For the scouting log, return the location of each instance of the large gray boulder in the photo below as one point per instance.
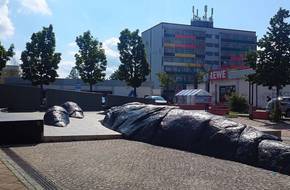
(73, 109)
(199, 132)
(56, 116)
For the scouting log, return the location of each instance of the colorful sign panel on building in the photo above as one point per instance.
(218, 75)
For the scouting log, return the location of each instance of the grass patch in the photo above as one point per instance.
(232, 114)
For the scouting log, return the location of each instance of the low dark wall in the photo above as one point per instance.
(21, 132)
(86, 100)
(113, 100)
(19, 98)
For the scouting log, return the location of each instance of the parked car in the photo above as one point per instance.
(284, 102)
(159, 100)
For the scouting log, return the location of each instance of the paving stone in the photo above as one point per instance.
(122, 164)
(8, 180)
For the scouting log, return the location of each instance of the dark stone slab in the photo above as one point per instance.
(73, 110)
(249, 140)
(56, 116)
(198, 132)
(274, 155)
(21, 131)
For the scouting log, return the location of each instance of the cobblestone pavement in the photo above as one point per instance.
(122, 164)
(8, 180)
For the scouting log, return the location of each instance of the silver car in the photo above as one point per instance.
(284, 103)
(159, 100)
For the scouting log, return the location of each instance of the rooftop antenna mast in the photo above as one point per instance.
(211, 17)
(205, 13)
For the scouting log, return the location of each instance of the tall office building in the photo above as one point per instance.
(182, 50)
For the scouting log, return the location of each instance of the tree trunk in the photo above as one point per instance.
(41, 87)
(41, 94)
(91, 87)
(277, 91)
(135, 92)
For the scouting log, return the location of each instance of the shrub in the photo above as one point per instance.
(238, 104)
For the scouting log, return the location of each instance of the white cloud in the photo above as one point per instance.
(112, 53)
(110, 70)
(110, 47)
(72, 45)
(35, 6)
(64, 68)
(6, 26)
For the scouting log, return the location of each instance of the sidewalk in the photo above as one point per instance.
(283, 126)
(8, 181)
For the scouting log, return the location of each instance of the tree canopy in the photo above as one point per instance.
(74, 74)
(5, 55)
(165, 80)
(115, 75)
(272, 61)
(91, 61)
(39, 60)
(134, 67)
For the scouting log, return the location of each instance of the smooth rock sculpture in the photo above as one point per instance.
(56, 116)
(199, 132)
(73, 110)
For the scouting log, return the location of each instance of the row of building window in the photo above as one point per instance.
(232, 36)
(179, 50)
(183, 40)
(212, 36)
(171, 31)
(229, 53)
(210, 62)
(212, 45)
(235, 49)
(209, 53)
(237, 45)
(168, 58)
(197, 51)
(184, 78)
(239, 41)
(176, 69)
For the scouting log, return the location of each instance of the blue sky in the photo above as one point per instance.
(105, 19)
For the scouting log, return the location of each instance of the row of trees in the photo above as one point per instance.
(40, 61)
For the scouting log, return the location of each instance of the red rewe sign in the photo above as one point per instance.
(218, 75)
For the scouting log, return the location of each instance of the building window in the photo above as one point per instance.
(208, 53)
(217, 37)
(208, 36)
(225, 93)
(209, 44)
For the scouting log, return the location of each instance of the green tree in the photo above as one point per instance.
(134, 67)
(39, 60)
(5, 55)
(198, 77)
(74, 74)
(91, 60)
(115, 75)
(272, 61)
(165, 80)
